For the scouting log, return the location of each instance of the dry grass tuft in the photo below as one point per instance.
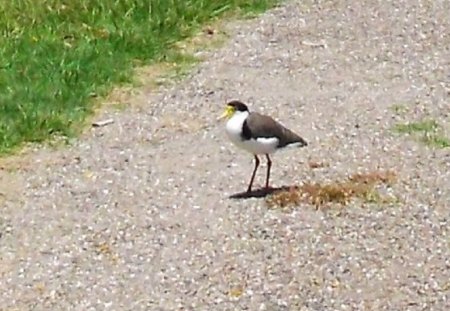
(375, 177)
(356, 186)
(285, 197)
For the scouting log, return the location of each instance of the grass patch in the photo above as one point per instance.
(362, 186)
(436, 140)
(399, 108)
(423, 126)
(426, 131)
(56, 55)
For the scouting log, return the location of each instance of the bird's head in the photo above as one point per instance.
(232, 107)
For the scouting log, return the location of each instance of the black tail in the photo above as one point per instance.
(302, 142)
(290, 137)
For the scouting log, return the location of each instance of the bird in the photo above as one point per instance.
(258, 134)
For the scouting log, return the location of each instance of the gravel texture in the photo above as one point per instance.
(136, 216)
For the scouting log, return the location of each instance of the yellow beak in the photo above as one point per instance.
(227, 113)
(223, 115)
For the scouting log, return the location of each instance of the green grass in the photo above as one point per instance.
(436, 140)
(426, 131)
(399, 108)
(56, 55)
(414, 127)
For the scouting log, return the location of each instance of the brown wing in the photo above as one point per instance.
(258, 125)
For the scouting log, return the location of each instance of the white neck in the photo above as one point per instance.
(234, 125)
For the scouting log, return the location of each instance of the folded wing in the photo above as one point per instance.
(261, 126)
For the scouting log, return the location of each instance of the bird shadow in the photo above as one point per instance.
(258, 193)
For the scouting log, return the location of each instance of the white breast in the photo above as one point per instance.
(234, 126)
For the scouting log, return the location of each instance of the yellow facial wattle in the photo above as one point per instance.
(229, 111)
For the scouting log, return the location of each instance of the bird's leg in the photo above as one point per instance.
(253, 175)
(269, 165)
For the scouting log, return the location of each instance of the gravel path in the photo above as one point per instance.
(136, 215)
